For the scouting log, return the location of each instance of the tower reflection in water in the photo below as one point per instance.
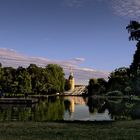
(69, 107)
(79, 108)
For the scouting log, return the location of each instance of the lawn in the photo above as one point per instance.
(120, 130)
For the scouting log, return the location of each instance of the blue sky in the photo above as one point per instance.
(89, 33)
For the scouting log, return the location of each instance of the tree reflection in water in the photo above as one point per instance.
(118, 108)
(48, 110)
(96, 104)
(87, 108)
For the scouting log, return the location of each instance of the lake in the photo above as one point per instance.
(70, 108)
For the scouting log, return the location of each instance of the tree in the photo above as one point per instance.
(96, 86)
(7, 79)
(33, 79)
(103, 85)
(118, 79)
(134, 30)
(23, 81)
(54, 78)
(1, 74)
(36, 78)
(135, 65)
(67, 85)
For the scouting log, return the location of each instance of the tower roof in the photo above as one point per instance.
(71, 75)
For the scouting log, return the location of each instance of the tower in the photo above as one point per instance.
(71, 81)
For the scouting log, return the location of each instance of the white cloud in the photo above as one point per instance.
(12, 58)
(128, 8)
(79, 59)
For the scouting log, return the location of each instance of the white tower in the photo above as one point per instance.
(71, 81)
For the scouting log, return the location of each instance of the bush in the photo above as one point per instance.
(114, 93)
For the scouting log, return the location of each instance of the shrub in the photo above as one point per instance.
(114, 93)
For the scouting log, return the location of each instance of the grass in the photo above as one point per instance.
(120, 130)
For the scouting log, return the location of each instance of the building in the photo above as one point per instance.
(71, 81)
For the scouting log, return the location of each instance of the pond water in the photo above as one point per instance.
(72, 108)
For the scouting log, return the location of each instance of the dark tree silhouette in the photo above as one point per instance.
(134, 30)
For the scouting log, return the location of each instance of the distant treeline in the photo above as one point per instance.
(122, 81)
(32, 80)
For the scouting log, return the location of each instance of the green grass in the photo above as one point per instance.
(121, 130)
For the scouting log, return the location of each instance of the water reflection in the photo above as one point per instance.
(79, 108)
(13, 112)
(72, 108)
(51, 109)
(75, 108)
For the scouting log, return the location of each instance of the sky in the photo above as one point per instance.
(88, 36)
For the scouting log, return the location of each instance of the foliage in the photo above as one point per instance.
(7, 79)
(54, 78)
(36, 77)
(128, 90)
(118, 79)
(96, 86)
(126, 80)
(114, 93)
(135, 65)
(67, 85)
(32, 79)
(135, 84)
(134, 30)
(22, 81)
(1, 74)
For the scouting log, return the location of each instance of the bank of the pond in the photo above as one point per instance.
(18, 101)
(126, 130)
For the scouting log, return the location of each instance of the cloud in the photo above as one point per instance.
(125, 8)
(74, 61)
(82, 75)
(79, 59)
(80, 3)
(9, 57)
(128, 8)
(75, 3)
